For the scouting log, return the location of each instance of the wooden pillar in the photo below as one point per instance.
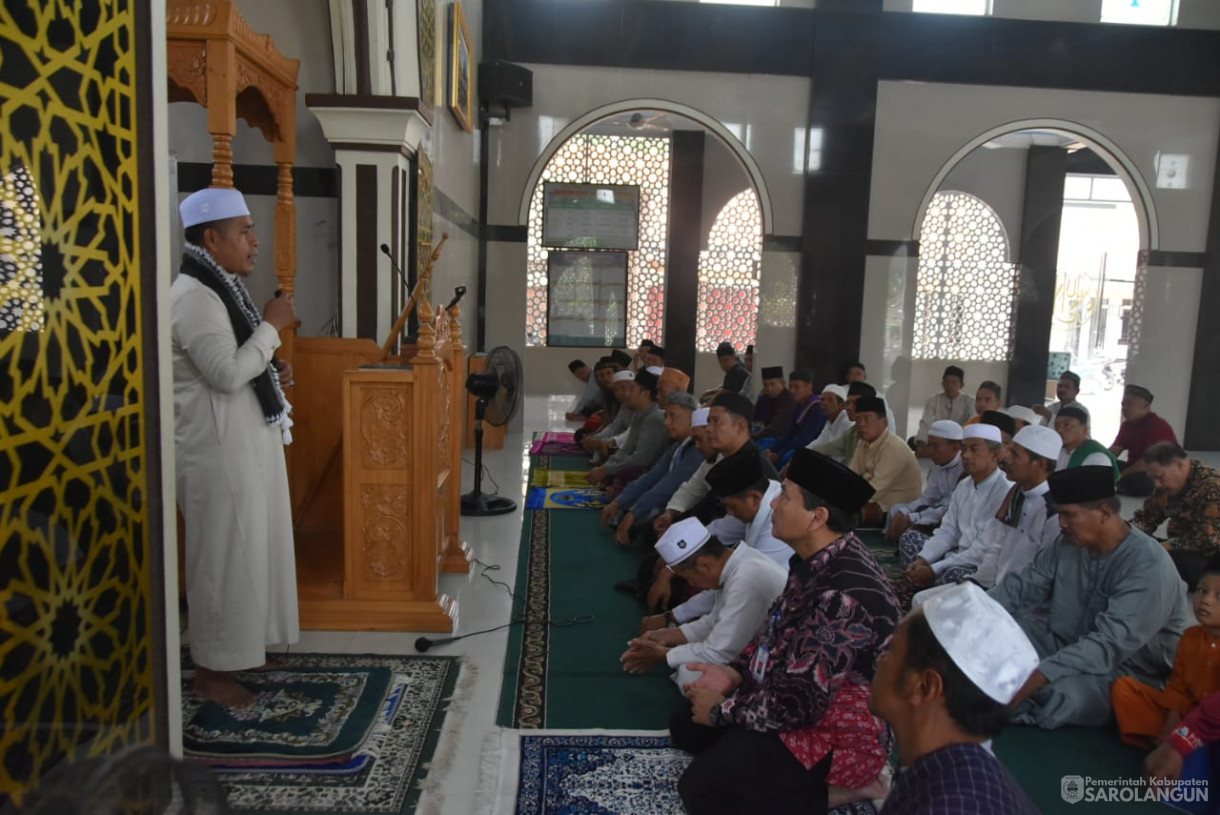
(222, 109)
(457, 554)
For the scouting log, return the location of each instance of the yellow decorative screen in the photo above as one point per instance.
(76, 646)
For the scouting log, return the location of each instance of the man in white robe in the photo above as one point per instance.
(230, 428)
(743, 582)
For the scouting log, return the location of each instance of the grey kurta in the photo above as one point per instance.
(647, 439)
(232, 487)
(1112, 615)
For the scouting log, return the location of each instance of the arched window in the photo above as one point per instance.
(728, 275)
(588, 158)
(966, 289)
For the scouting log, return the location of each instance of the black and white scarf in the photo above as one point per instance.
(199, 264)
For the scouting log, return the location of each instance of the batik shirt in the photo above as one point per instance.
(961, 779)
(821, 641)
(1193, 513)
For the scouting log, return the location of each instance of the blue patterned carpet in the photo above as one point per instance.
(606, 775)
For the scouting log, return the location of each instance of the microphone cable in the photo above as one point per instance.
(423, 644)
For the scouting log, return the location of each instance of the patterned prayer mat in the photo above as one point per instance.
(565, 497)
(570, 479)
(319, 701)
(553, 443)
(589, 771)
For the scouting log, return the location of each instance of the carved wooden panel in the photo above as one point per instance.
(386, 536)
(188, 72)
(383, 432)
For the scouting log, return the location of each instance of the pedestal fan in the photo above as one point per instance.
(497, 391)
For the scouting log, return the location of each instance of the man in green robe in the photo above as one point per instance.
(1103, 601)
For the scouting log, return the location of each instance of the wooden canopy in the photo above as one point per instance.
(216, 60)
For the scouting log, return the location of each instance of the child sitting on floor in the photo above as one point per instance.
(1146, 715)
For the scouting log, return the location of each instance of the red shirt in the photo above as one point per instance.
(1137, 436)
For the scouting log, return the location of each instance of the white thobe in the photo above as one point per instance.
(749, 585)
(1012, 548)
(757, 535)
(232, 487)
(958, 541)
(933, 502)
(832, 430)
(940, 406)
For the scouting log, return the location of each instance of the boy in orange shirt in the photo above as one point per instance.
(1146, 716)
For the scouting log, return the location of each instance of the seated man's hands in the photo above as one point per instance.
(920, 573)
(719, 678)
(664, 521)
(702, 700)
(609, 512)
(597, 475)
(574, 417)
(669, 637)
(661, 591)
(772, 456)
(642, 654)
(622, 535)
(654, 622)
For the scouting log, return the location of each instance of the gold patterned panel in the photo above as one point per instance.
(427, 51)
(385, 531)
(76, 642)
(383, 428)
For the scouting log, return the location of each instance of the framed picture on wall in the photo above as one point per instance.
(587, 299)
(461, 69)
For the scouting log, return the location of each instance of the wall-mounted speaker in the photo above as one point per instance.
(505, 85)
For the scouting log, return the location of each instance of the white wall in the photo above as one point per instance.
(455, 161)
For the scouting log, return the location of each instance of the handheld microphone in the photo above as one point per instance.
(458, 293)
(385, 250)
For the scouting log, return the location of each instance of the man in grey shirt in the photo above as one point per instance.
(647, 437)
(1103, 601)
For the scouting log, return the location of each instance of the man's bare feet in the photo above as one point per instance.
(842, 796)
(221, 688)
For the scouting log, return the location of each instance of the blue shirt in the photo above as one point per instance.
(961, 779)
(654, 488)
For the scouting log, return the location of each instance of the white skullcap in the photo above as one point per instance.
(837, 390)
(982, 639)
(699, 417)
(682, 540)
(946, 429)
(979, 430)
(655, 370)
(212, 204)
(1023, 413)
(624, 376)
(1039, 440)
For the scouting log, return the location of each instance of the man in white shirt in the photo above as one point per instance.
(950, 403)
(834, 408)
(925, 512)
(1027, 521)
(956, 549)
(744, 583)
(746, 492)
(1080, 449)
(230, 427)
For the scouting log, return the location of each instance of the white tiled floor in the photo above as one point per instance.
(480, 605)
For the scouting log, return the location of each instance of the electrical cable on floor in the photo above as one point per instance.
(424, 643)
(487, 473)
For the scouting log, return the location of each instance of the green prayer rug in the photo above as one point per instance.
(570, 676)
(329, 733)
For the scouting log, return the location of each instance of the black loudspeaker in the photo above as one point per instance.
(503, 84)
